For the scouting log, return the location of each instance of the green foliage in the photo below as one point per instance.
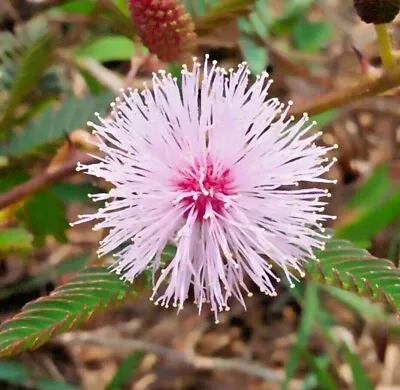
(16, 373)
(312, 380)
(360, 377)
(11, 51)
(349, 268)
(15, 240)
(311, 36)
(262, 23)
(308, 318)
(51, 384)
(374, 206)
(54, 123)
(44, 215)
(91, 293)
(108, 48)
(367, 224)
(68, 266)
(359, 305)
(125, 371)
(114, 12)
(293, 12)
(78, 6)
(32, 65)
(254, 30)
(71, 192)
(324, 378)
(373, 190)
(210, 14)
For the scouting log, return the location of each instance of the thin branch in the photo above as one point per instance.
(44, 179)
(190, 359)
(335, 99)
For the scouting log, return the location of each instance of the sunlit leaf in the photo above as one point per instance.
(108, 48)
(15, 240)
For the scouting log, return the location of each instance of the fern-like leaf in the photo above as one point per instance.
(32, 64)
(54, 123)
(349, 268)
(92, 292)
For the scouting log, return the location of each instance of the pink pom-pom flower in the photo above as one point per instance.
(213, 167)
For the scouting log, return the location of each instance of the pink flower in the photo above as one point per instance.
(214, 168)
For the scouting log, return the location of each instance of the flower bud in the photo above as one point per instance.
(377, 11)
(164, 27)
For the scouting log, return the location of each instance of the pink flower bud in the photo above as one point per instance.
(164, 27)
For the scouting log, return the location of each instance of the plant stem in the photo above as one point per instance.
(44, 179)
(386, 82)
(385, 46)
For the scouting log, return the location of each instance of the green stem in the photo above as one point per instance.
(385, 46)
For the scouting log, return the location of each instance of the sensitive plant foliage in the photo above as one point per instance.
(164, 27)
(215, 169)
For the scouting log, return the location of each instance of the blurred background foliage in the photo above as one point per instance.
(61, 61)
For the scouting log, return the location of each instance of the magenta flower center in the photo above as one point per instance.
(205, 189)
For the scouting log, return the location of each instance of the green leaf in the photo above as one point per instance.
(122, 5)
(294, 10)
(308, 318)
(72, 192)
(14, 372)
(77, 7)
(44, 215)
(108, 48)
(254, 30)
(349, 268)
(326, 117)
(360, 377)
(72, 265)
(358, 304)
(54, 123)
(371, 222)
(15, 240)
(33, 64)
(311, 381)
(311, 36)
(125, 371)
(51, 384)
(255, 55)
(325, 380)
(91, 293)
(373, 190)
(211, 14)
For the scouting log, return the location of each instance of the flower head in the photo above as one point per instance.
(164, 27)
(377, 11)
(213, 167)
